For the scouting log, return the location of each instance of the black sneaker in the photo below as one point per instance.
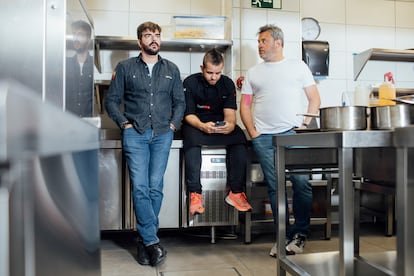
(142, 255)
(296, 244)
(156, 254)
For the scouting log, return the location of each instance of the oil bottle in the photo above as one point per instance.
(386, 90)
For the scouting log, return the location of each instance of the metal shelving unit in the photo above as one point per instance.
(179, 45)
(361, 59)
(256, 191)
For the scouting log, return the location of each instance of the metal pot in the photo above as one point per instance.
(343, 118)
(390, 116)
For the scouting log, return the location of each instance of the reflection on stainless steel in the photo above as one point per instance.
(348, 261)
(79, 75)
(43, 67)
(51, 179)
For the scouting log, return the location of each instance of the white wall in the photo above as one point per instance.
(350, 26)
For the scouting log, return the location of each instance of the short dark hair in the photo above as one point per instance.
(147, 26)
(275, 31)
(213, 56)
(80, 24)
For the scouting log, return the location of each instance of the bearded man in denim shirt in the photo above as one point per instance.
(151, 90)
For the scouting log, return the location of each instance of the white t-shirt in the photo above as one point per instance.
(278, 94)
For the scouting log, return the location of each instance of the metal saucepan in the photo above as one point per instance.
(343, 118)
(338, 118)
(390, 116)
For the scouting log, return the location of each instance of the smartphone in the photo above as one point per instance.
(220, 123)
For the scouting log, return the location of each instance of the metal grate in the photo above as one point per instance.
(217, 211)
(213, 177)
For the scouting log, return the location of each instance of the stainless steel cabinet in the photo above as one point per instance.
(169, 216)
(110, 185)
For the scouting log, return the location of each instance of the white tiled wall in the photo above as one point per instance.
(350, 26)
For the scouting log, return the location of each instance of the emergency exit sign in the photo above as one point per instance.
(270, 4)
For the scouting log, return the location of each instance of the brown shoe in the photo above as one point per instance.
(238, 201)
(196, 203)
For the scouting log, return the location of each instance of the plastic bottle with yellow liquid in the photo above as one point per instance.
(386, 90)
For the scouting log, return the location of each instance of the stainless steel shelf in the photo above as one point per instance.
(130, 43)
(181, 45)
(361, 59)
(327, 263)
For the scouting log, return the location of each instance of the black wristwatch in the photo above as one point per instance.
(305, 124)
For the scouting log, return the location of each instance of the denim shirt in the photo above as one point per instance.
(149, 101)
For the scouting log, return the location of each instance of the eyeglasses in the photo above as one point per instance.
(79, 36)
(148, 36)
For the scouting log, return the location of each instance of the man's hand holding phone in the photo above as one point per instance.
(220, 123)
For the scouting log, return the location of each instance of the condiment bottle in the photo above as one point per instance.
(361, 95)
(386, 90)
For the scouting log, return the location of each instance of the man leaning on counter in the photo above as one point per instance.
(152, 92)
(279, 87)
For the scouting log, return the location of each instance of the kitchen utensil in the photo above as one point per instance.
(343, 118)
(313, 115)
(390, 117)
(407, 99)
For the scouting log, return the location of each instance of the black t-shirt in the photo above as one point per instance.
(208, 101)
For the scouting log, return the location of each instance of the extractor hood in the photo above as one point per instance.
(362, 58)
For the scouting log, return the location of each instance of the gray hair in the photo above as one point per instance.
(275, 31)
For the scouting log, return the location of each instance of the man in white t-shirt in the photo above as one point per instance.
(280, 89)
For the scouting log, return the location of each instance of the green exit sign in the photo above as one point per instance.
(270, 4)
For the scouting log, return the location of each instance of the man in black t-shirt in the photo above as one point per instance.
(210, 119)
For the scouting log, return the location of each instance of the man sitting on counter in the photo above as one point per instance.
(210, 119)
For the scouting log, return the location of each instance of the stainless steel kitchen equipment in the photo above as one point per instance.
(390, 116)
(169, 216)
(43, 68)
(407, 99)
(48, 158)
(348, 260)
(111, 174)
(392, 55)
(256, 190)
(404, 144)
(214, 182)
(343, 118)
(48, 188)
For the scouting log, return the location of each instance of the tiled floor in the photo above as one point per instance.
(190, 254)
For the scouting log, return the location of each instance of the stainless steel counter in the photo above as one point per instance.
(116, 209)
(347, 262)
(48, 188)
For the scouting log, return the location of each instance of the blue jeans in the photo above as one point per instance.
(147, 157)
(302, 190)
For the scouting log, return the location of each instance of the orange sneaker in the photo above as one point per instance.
(196, 203)
(238, 201)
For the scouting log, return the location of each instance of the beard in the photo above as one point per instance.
(150, 51)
